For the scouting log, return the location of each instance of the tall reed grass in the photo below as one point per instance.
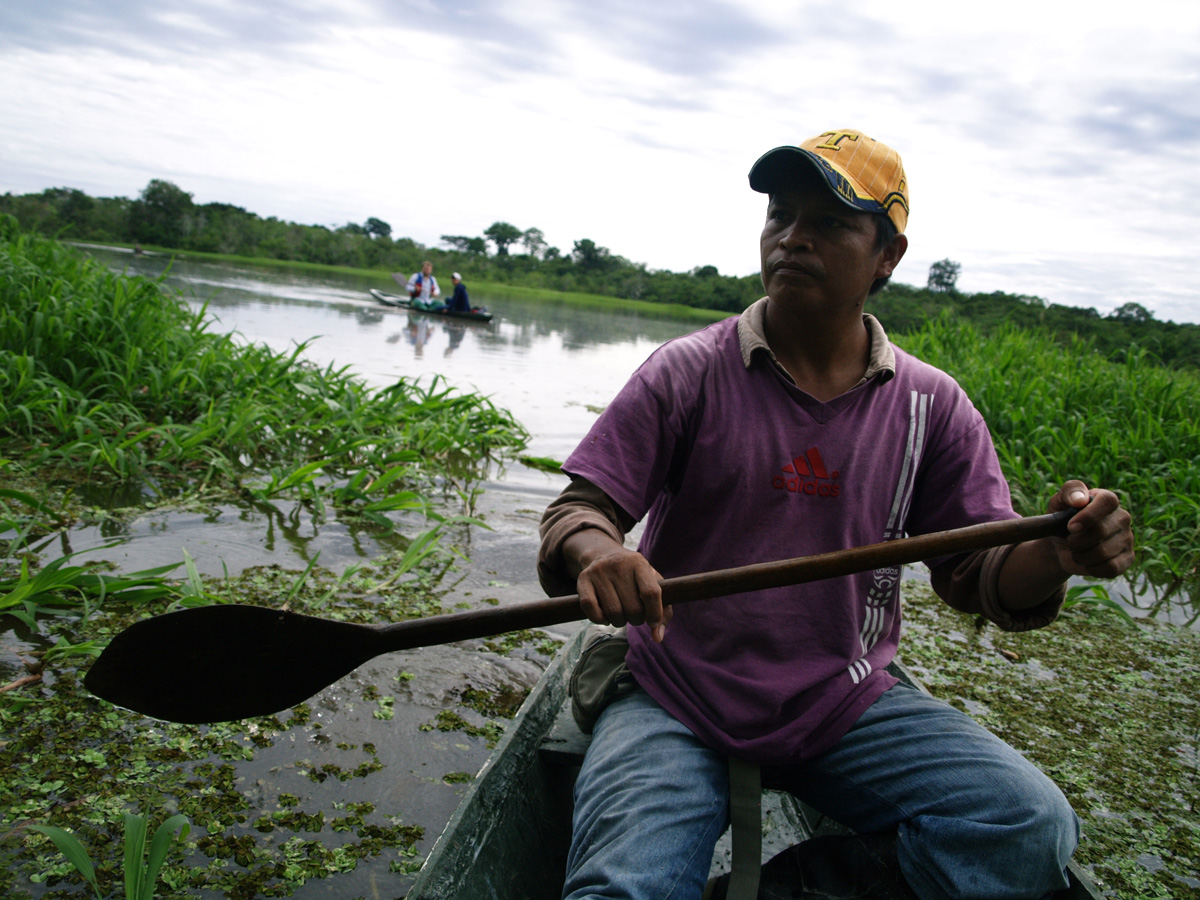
(1131, 426)
(114, 377)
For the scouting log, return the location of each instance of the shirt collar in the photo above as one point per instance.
(752, 337)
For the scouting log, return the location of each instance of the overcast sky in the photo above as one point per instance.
(1052, 148)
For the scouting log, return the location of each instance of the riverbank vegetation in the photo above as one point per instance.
(164, 216)
(1060, 412)
(109, 379)
(112, 378)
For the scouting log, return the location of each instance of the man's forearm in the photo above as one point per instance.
(1030, 575)
(581, 548)
(580, 507)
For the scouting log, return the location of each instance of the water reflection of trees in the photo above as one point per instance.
(221, 285)
(580, 327)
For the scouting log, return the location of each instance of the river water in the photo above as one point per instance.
(553, 365)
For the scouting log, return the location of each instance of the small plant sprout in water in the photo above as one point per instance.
(141, 874)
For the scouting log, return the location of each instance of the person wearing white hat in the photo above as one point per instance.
(459, 301)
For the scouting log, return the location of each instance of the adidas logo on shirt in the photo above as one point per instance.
(807, 474)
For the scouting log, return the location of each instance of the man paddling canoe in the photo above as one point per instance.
(797, 428)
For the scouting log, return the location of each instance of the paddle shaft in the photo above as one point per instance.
(222, 662)
(724, 582)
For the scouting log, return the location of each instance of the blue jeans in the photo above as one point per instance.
(974, 819)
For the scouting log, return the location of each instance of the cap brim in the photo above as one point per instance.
(776, 166)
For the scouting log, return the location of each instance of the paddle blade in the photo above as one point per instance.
(220, 663)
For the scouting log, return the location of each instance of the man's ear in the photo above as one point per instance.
(891, 256)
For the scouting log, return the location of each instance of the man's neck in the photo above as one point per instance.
(824, 359)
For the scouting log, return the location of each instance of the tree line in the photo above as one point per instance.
(165, 216)
(1128, 329)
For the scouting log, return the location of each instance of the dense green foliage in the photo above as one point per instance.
(1130, 426)
(1128, 329)
(107, 376)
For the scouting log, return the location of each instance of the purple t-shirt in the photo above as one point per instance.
(736, 465)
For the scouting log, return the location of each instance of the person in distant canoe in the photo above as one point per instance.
(459, 301)
(423, 288)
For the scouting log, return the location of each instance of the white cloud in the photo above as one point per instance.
(1049, 153)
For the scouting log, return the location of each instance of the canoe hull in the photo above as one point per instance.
(399, 302)
(510, 834)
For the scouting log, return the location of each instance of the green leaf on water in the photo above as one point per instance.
(68, 845)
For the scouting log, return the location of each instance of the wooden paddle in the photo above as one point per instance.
(217, 663)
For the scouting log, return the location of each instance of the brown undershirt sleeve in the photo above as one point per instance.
(971, 584)
(581, 505)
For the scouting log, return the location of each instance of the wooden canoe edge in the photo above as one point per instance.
(512, 794)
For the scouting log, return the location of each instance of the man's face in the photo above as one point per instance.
(817, 253)
(427, 268)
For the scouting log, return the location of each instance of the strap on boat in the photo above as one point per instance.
(745, 815)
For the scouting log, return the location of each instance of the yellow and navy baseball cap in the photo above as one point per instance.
(861, 172)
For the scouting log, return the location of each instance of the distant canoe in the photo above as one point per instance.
(508, 839)
(479, 314)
